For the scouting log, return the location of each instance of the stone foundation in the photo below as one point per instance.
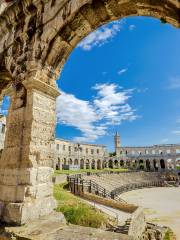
(20, 213)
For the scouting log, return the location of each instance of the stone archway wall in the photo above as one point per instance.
(39, 35)
(36, 38)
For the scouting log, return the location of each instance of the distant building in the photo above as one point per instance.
(156, 157)
(70, 155)
(86, 156)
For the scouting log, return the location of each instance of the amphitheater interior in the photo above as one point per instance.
(122, 182)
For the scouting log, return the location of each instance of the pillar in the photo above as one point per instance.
(151, 165)
(26, 190)
(95, 164)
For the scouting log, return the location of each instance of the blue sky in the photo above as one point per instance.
(125, 76)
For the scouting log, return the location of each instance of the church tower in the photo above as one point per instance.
(117, 142)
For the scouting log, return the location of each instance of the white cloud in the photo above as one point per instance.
(111, 103)
(132, 27)
(121, 71)
(174, 83)
(176, 132)
(101, 35)
(93, 118)
(164, 140)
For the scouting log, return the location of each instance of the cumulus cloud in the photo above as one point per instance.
(93, 118)
(174, 83)
(121, 71)
(101, 36)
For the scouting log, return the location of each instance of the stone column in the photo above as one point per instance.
(151, 165)
(95, 164)
(26, 190)
(174, 162)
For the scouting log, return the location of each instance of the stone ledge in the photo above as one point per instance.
(53, 227)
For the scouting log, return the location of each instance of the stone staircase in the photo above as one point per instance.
(122, 229)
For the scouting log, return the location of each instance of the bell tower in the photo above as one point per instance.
(117, 142)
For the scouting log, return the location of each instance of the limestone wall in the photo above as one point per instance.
(138, 224)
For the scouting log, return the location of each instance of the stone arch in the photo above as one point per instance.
(110, 163)
(82, 164)
(122, 163)
(136, 163)
(141, 164)
(133, 164)
(99, 165)
(64, 26)
(87, 164)
(162, 164)
(58, 164)
(116, 163)
(76, 162)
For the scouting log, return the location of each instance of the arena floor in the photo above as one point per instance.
(161, 205)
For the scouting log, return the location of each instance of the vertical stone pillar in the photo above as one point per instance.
(174, 162)
(84, 164)
(95, 164)
(151, 165)
(26, 190)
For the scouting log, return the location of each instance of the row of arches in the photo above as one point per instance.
(82, 163)
(139, 164)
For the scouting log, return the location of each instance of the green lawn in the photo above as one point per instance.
(76, 211)
(56, 172)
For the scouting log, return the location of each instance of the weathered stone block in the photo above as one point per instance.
(20, 213)
(12, 193)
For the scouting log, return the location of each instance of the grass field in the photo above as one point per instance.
(76, 211)
(56, 172)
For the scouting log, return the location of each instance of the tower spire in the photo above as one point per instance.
(117, 141)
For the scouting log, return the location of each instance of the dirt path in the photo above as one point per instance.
(161, 205)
